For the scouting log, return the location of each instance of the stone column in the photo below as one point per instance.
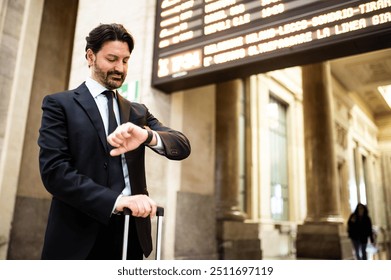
(386, 175)
(227, 150)
(344, 189)
(236, 239)
(48, 73)
(22, 21)
(323, 235)
(358, 165)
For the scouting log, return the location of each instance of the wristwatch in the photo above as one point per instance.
(149, 138)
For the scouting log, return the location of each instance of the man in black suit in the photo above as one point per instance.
(90, 187)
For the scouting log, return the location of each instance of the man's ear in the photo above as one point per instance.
(90, 57)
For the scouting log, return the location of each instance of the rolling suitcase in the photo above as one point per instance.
(159, 215)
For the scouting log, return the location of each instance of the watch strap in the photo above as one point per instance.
(149, 138)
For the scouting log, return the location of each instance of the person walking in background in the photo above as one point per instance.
(91, 181)
(359, 230)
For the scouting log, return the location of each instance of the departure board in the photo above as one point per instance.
(206, 41)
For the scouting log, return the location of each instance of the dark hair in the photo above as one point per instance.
(108, 32)
(364, 207)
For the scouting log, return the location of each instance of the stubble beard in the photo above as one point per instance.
(107, 79)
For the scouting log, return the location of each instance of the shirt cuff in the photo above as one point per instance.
(115, 205)
(159, 145)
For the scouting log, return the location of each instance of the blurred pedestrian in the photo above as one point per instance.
(359, 230)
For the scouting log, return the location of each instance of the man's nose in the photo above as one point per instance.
(120, 66)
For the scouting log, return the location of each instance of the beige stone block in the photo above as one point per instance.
(232, 230)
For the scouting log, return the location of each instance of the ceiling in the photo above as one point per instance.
(363, 74)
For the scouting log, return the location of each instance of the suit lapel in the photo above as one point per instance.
(85, 99)
(124, 108)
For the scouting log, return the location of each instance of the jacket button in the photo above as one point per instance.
(105, 165)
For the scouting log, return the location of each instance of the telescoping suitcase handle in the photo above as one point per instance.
(160, 215)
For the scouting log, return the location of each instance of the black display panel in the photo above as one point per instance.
(198, 42)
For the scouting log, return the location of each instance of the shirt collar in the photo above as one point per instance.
(95, 88)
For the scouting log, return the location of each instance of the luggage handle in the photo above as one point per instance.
(159, 211)
(160, 214)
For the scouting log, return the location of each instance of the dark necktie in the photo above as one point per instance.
(116, 177)
(112, 121)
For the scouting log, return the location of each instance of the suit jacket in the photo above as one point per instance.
(73, 164)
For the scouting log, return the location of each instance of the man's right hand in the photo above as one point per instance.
(128, 137)
(141, 205)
